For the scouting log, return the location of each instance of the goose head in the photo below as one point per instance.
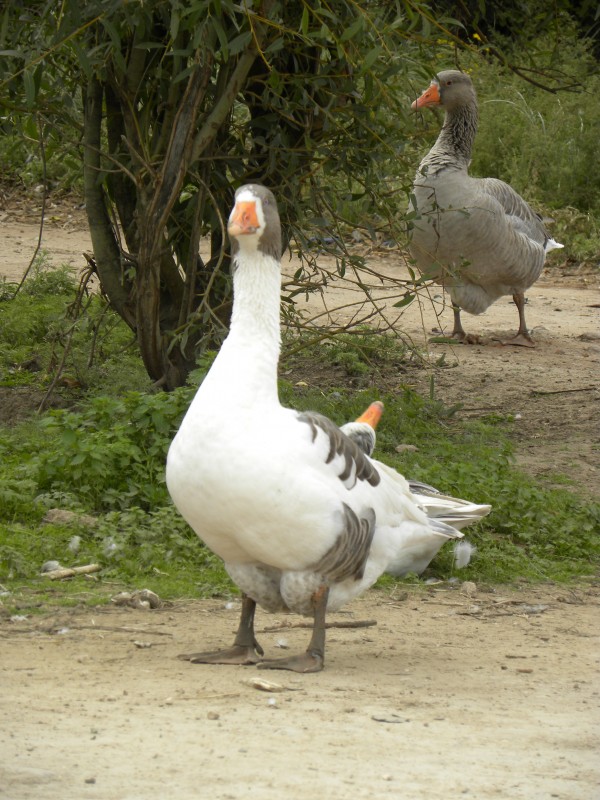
(254, 225)
(362, 430)
(450, 89)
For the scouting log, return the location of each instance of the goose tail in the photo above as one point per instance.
(552, 244)
(443, 507)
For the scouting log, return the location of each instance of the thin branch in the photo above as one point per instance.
(78, 311)
(43, 211)
(359, 623)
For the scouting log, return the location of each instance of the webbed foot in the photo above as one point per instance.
(245, 650)
(310, 661)
(239, 655)
(520, 340)
(467, 338)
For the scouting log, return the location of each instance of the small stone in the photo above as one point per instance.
(406, 448)
(61, 516)
(213, 715)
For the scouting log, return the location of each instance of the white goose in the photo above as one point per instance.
(451, 510)
(475, 236)
(302, 518)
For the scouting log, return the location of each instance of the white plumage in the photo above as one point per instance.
(447, 509)
(303, 519)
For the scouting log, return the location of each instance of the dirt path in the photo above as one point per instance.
(488, 696)
(491, 696)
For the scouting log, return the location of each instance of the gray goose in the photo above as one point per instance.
(475, 236)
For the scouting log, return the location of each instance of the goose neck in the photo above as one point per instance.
(454, 145)
(254, 338)
(256, 297)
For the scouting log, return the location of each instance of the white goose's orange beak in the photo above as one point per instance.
(243, 219)
(373, 414)
(430, 97)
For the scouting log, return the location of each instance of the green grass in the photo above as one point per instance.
(46, 318)
(105, 455)
(536, 533)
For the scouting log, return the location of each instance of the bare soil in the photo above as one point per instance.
(490, 696)
(487, 692)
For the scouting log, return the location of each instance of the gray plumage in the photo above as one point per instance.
(475, 236)
(356, 466)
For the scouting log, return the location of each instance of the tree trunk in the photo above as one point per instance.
(104, 241)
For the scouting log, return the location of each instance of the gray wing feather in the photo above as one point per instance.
(439, 527)
(341, 445)
(523, 218)
(350, 551)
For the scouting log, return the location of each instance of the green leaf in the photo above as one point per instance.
(29, 83)
(370, 58)
(304, 21)
(356, 27)
(175, 20)
(240, 43)
(222, 37)
(406, 300)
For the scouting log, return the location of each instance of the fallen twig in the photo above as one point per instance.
(361, 623)
(69, 572)
(564, 391)
(112, 628)
(119, 629)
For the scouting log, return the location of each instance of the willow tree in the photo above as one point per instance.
(174, 104)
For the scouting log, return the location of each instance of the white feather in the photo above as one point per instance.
(463, 552)
(552, 244)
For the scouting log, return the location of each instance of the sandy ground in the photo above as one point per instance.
(490, 695)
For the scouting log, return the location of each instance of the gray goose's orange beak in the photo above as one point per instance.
(430, 97)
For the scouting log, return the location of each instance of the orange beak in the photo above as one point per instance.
(243, 219)
(373, 414)
(430, 97)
